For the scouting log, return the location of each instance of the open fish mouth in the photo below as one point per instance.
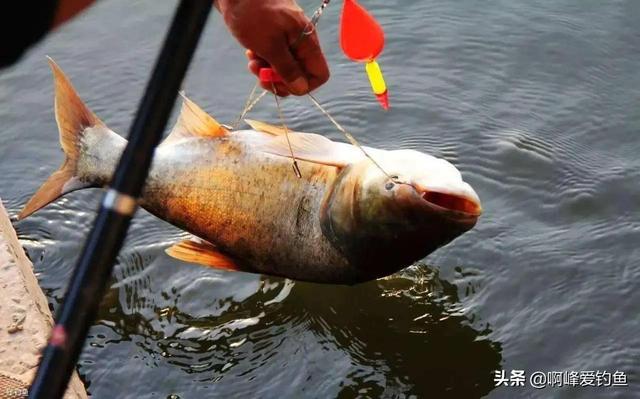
(458, 203)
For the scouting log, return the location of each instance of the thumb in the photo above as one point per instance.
(283, 61)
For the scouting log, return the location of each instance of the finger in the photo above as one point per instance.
(283, 61)
(312, 60)
(252, 56)
(281, 88)
(255, 66)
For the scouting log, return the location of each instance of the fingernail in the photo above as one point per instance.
(299, 86)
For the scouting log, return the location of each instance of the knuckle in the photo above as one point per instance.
(287, 69)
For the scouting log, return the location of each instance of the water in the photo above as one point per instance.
(537, 102)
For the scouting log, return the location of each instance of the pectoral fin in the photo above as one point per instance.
(203, 253)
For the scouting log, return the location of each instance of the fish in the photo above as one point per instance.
(347, 220)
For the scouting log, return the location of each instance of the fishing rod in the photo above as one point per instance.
(95, 264)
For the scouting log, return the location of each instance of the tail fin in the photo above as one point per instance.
(73, 117)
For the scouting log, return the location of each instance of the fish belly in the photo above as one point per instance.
(249, 204)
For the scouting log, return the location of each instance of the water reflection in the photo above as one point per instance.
(410, 327)
(241, 334)
(195, 332)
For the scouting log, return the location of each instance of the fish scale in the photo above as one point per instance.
(342, 220)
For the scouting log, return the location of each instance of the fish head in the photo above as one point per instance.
(399, 209)
(411, 187)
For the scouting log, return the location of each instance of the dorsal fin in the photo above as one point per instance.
(194, 122)
(266, 128)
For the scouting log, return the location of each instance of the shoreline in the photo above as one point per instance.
(25, 318)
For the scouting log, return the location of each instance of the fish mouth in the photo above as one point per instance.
(458, 203)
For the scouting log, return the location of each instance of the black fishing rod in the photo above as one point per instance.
(95, 264)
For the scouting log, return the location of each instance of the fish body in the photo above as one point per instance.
(248, 203)
(345, 221)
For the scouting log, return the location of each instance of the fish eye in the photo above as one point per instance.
(389, 185)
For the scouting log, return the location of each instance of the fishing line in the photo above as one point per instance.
(264, 92)
(315, 17)
(296, 169)
(250, 103)
(240, 117)
(248, 106)
(310, 27)
(350, 137)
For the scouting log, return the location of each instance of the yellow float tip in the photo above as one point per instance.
(377, 83)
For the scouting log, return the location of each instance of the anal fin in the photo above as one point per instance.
(203, 253)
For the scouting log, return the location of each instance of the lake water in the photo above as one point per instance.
(536, 102)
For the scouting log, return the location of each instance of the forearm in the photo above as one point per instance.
(68, 9)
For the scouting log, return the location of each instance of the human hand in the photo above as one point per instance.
(269, 29)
